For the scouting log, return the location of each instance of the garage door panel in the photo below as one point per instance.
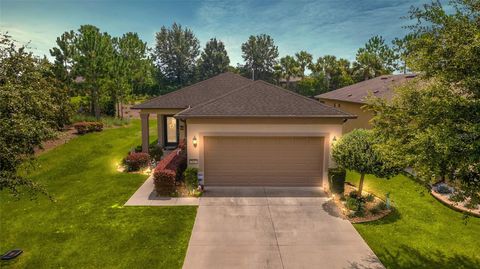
(263, 161)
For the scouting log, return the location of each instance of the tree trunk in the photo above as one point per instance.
(118, 108)
(360, 184)
(288, 83)
(96, 105)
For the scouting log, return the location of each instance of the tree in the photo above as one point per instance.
(358, 151)
(304, 59)
(433, 124)
(214, 59)
(400, 47)
(260, 55)
(335, 73)
(447, 44)
(430, 127)
(32, 106)
(176, 52)
(375, 59)
(132, 68)
(289, 68)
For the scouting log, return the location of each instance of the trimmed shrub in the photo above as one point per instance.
(336, 180)
(191, 178)
(164, 181)
(88, 127)
(155, 152)
(136, 160)
(351, 203)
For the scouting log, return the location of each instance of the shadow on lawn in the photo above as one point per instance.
(407, 258)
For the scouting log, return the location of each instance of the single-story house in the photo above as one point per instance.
(241, 132)
(352, 98)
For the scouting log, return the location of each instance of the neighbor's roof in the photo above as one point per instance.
(262, 99)
(197, 93)
(381, 86)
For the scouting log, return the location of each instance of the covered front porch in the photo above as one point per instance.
(169, 129)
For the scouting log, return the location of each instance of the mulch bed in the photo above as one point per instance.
(62, 138)
(368, 216)
(458, 206)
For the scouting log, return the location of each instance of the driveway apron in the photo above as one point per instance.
(273, 227)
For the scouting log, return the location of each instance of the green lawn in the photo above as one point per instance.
(423, 233)
(87, 227)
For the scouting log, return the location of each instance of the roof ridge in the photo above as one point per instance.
(306, 98)
(217, 98)
(194, 84)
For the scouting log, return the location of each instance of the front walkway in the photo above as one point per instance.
(246, 227)
(146, 196)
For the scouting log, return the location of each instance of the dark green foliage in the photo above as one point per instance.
(176, 51)
(213, 60)
(375, 59)
(433, 123)
(260, 55)
(33, 105)
(336, 180)
(358, 151)
(155, 152)
(369, 198)
(191, 178)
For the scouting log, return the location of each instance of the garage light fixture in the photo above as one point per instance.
(194, 141)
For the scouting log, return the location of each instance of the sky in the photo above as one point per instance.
(319, 27)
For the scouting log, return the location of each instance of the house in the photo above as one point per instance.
(241, 132)
(352, 98)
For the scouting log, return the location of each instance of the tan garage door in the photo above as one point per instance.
(263, 161)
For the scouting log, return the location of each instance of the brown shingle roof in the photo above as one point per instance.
(197, 93)
(381, 86)
(261, 99)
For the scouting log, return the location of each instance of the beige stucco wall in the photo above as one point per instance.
(353, 108)
(199, 128)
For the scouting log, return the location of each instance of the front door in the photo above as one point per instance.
(170, 127)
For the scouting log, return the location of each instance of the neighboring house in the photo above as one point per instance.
(352, 98)
(293, 82)
(241, 132)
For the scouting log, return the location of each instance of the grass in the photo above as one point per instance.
(87, 226)
(422, 232)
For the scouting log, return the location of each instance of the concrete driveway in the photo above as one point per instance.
(269, 227)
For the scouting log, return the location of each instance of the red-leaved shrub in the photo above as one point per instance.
(88, 127)
(164, 181)
(136, 160)
(172, 165)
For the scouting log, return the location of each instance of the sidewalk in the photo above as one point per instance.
(146, 196)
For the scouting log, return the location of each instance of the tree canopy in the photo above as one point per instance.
(358, 151)
(176, 52)
(260, 55)
(213, 60)
(433, 123)
(33, 105)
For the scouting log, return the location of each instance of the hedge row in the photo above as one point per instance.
(88, 127)
(169, 170)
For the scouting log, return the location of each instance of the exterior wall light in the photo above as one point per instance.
(195, 141)
(334, 139)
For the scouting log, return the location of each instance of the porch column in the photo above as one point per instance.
(145, 133)
(160, 141)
